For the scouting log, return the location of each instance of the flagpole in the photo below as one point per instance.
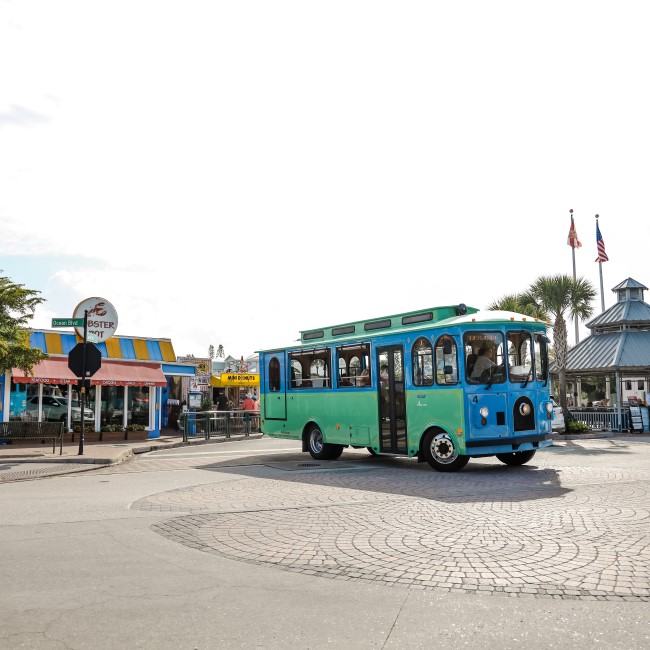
(600, 271)
(608, 387)
(573, 256)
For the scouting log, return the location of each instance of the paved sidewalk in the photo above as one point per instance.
(24, 462)
(19, 462)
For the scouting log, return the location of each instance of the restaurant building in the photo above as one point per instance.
(136, 392)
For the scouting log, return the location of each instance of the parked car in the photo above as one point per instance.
(56, 409)
(557, 423)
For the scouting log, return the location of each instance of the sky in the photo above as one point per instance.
(231, 173)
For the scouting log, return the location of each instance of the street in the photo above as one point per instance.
(252, 544)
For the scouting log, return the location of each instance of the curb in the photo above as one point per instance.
(605, 434)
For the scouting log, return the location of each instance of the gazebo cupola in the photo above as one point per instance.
(629, 290)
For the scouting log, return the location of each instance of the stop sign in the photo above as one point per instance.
(76, 360)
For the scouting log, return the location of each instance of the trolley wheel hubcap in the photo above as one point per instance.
(316, 441)
(442, 448)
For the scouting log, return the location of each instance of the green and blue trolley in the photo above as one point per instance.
(443, 384)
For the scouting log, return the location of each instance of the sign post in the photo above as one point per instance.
(84, 360)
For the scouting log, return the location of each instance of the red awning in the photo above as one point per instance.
(112, 373)
(120, 373)
(49, 371)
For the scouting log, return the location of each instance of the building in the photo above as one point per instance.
(235, 378)
(616, 355)
(137, 390)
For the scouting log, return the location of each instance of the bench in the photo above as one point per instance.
(15, 430)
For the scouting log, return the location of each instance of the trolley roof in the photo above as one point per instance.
(445, 316)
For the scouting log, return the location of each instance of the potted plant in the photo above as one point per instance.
(136, 432)
(112, 433)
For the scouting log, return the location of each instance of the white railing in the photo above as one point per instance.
(602, 419)
(208, 424)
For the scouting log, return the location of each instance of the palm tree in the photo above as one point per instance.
(522, 303)
(559, 295)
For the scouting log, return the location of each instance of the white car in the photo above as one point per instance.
(56, 409)
(558, 418)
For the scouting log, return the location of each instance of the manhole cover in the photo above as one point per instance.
(308, 464)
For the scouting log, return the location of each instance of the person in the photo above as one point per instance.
(482, 363)
(383, 375)
(364, 378)
(345, 380)
(249, 403)
(222, 402)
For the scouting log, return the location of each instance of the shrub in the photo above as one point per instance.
(136, 427)
(88, 428)
(574, 426)
(112, 427)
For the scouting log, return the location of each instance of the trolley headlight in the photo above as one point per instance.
(484, 411)
(524, 408)
(549, 407)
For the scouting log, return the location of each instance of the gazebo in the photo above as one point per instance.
(617, 349)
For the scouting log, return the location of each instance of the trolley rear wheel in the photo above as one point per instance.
(322, 450)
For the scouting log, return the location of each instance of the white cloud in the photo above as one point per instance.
(236, 172)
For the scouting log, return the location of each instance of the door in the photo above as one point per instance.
(275, 397)
(392, 402)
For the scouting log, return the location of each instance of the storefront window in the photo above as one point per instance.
(138, 405)
(112, 409)
(17, 401)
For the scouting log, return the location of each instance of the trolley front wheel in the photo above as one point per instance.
(516, 457)
(441, 453)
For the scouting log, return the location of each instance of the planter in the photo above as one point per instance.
(113, 436)
(137, 435)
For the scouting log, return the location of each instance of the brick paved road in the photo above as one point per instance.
(569, 526)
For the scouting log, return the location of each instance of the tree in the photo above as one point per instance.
(559, 296)
(522, 303)
(17, 306)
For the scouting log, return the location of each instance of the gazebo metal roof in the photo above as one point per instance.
(620, 339)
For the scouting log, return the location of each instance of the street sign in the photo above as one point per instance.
(76, 360)
(67, 322)
(102, 318)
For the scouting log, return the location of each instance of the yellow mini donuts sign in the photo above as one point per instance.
(240, 379)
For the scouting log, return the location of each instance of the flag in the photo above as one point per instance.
(602, 255)
(573, 240)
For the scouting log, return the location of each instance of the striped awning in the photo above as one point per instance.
(49, 371)
(112, 373)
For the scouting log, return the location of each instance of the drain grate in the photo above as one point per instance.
(328, 466)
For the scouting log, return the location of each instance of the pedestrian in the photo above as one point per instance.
(249, 403)
(222, 402)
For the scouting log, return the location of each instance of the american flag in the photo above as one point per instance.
(573, 240)
(602, 255)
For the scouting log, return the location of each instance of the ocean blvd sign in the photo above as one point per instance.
(67, 322)
(102, 319)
